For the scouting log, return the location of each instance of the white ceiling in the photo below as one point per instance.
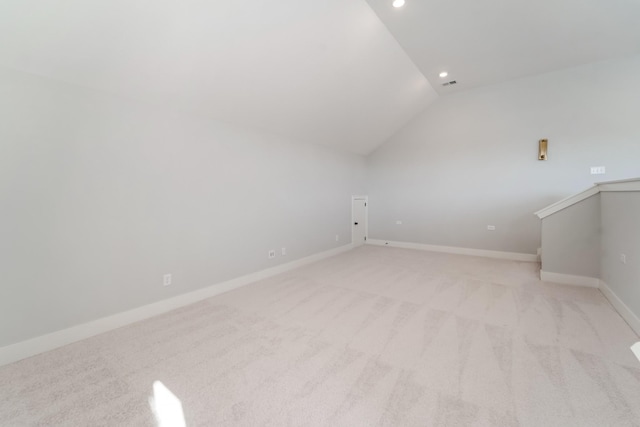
(489, 41)
(322, 71)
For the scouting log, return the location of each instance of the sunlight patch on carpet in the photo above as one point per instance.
(166, 407)
(636, 349)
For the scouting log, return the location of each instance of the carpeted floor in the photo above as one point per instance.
(375, 336)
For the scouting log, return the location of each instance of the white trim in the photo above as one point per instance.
(620, 186)
(513, 256)
(632, 184)
(569, 201)
(37, 345)
(621, 307)
(569, 279)
(366, 217)
(620, 181)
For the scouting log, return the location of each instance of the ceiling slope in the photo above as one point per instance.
(325, 72)
(485, 42)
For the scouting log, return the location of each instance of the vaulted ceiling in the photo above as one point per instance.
(342, 73)
(485, 42)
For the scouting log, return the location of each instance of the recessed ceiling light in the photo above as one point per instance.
(443, 74)
(398, 3)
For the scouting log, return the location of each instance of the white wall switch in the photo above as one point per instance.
(623, 258)
(272, 253)
(399, 222)
(598, 170)
(337, 237)
(166, 279)
(491, 227)
(284, 251)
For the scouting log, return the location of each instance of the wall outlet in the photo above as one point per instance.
(623, 258)
(166, 279)
(337, 237)
(284, 251)
(491, 227)
(598, 170)
(399, 222)
(272, 253)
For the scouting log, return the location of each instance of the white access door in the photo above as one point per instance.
(359, 220)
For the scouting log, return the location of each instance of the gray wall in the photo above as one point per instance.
(571, 239)
(621, 235)
(470, 160)
(100, 196)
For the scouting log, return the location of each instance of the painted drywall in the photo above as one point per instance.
(326, 72)
(101, 196)
(470, 160)
(571, 240)
(620, 213)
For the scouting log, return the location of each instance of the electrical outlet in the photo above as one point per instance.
(598, 170)
(491, 227)
(284, 251)
(166, 279)
(272, 253)
(623, 258)
(398, 222)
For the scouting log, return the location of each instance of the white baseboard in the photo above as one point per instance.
(569, 279)
(624, 311)
(37, 345)
(513, 256)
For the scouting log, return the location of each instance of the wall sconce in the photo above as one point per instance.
(542, 149)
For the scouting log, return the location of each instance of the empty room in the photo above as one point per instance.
(319, 213)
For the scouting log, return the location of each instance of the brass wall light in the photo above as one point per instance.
(542, 149)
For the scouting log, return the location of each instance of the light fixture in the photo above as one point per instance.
(398, 3)
(542, 149)
(443, 74)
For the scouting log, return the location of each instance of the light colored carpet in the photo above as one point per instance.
(375, 336)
